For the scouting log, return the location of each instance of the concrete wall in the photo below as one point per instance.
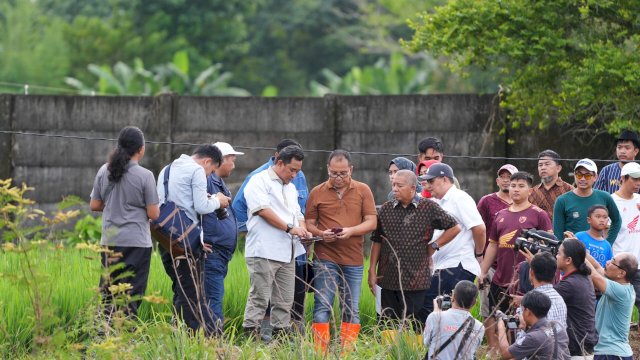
(374, 124)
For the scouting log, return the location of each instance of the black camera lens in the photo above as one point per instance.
(222, 213)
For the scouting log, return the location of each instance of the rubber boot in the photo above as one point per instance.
(321, 336)
(348, 336)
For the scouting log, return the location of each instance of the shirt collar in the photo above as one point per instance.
(273, 175)
(415, 201)
(544, 287)
(558, 182)
(216, 179)
(449, 193)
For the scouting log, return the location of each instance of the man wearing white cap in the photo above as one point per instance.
(220, 234)
(570, 209)
(628, 201)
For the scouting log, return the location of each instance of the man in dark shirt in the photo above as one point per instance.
(544, 340)
(400, 252)
(544, 195)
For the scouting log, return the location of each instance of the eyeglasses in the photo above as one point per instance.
(430, 181)
(612, 262)
(584, 176)
(334, 175)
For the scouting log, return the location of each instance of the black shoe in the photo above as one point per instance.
(251, 332)
(282, 335)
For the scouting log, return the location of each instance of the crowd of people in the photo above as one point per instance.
(554, 265)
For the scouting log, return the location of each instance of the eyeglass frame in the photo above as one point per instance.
(579, 176)
(339, 175)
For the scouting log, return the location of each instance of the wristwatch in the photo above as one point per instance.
(435, 246)
(289, 227)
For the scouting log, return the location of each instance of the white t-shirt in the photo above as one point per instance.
(441, 326)
(265, 190)
(628, 239)
(462, 248)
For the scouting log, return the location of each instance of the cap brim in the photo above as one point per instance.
(427, 177)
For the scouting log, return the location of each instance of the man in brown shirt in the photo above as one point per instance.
(544, 195)
(400, 251)
(340, 210)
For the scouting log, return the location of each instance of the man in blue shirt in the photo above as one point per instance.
(239, 206)
(221, 234)
(613, 313)
(627, 148)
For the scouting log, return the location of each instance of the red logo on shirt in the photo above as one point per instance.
(522, 219)
(632, 225)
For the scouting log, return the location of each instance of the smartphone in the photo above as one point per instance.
(336, 230)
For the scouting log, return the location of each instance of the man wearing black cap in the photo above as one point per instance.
(627, 147)
(454, 260)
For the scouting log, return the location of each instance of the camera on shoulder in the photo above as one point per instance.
(537, 240)
(444, 302)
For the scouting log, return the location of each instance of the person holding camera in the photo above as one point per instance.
(544, 339)
(507, 227)
(221, 234)
(275, 218)
(454, 333)
(613, 313)
(405, 226)
(579, 296)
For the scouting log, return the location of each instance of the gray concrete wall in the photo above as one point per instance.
(375, 124)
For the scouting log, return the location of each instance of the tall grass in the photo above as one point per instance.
(72, 277)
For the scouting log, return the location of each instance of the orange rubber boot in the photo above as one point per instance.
(348, 336)
(321, 334)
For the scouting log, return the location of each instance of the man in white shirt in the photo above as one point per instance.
(275, 225)
(628, 201)
(457, 259)
(187, 188)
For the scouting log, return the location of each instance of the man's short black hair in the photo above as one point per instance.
(596, 207)
(551, 155)
(537, 302)
(523, 175)
(544, 266)
(289, 153)
(465, 293)
(286, 142)
(339, 153)
(430, 143)
(629, 264)
(209, 151)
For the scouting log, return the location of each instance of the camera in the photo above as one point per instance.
(511, 322)
(444, 302)
(222, 213)
(537, 240)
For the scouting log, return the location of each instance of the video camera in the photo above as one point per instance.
(537, 240)
(444, 302)
(512, 322)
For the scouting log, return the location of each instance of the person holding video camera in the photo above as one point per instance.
(400, 252)
(578, 293)
(454, 333)
(544, 339)
(508, 225)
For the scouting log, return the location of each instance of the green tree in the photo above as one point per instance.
(32, 49)
(570, 61)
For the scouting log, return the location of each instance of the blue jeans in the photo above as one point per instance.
(330, 276)
(215, 270)
(442, 282)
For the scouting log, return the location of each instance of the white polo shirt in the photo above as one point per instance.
(462, 248)
(265, 190)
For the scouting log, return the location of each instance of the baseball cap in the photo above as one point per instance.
(436, 170)
(587, 164)
(632, 169)
(226, 149)
(510, 168)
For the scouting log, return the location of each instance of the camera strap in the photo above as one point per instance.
(468, 323)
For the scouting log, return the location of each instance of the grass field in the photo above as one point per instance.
(67, 279)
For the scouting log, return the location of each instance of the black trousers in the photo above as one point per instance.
(135, 271)
(393, 307)
(187, 283)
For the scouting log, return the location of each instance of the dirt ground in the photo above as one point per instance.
(634, 340)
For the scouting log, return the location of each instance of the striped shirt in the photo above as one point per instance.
(609, 178)
(558, 310)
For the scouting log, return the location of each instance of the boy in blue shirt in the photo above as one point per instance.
(598, 247)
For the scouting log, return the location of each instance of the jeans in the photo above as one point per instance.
(347, 279)
(442, 282)
(216, 265)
